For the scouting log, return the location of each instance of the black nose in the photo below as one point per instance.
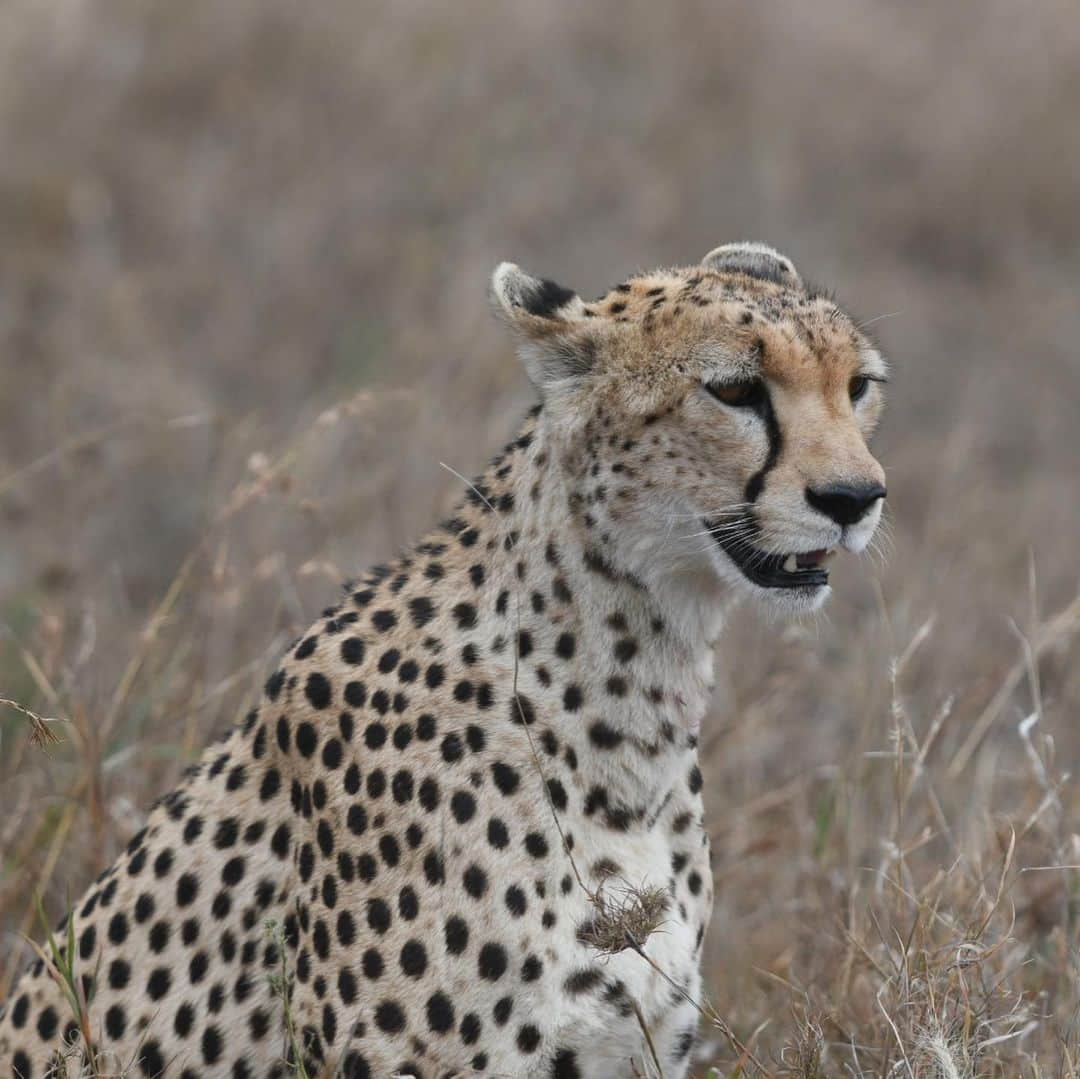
(845, 503)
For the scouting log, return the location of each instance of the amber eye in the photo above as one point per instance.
(748, 394)
(858, 386)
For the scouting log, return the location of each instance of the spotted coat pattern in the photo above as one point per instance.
(448, 782)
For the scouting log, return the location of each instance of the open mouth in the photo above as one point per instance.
(799, 569)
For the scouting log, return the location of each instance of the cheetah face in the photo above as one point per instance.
(719, 418)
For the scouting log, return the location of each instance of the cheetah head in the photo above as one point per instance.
(714, 420)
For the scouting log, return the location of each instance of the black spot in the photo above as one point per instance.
(390, 850)
(151, 1061)
(506, 778)
(465, 615)
(346, 985)
(376, 783)
(694, 780)
(258, 1024)
(47, 1023)
(564, 1065)
(378, 916)
(457, 935)
(279, 842)
(440, 1013)
(557, 793)
(470, 1028)
(158, 983)
(119, 976)
(271, 783)
(491, 962)
(187, 888)
(685, 1043)
(531, 969)
(616, 686)
(434, 872)
(528, 1038)
(372, 964)
(536, 845)
(463, 806)
(413, 959)
(352, 650)
(389, 1017)
(475, 881)
(429, 794)
(452, 748)
(306, 739)
(226, 833)
(401, 786)
(331, 754)
(87, 942)
(273, 685)
(158, 937)
(317, 690)
(604, 737)
(118, 928)
(522, 710)
(498, 835)
(515, 901)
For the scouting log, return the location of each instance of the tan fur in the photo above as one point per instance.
(490, 744)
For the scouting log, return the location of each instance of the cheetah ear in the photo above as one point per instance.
(549, 321)
(754, 260)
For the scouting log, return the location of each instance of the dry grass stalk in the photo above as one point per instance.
(42, 734)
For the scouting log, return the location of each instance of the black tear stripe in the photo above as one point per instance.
(756, 483)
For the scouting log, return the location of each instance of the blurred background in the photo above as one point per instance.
(244, 251)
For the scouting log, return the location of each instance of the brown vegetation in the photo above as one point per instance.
(243, 254)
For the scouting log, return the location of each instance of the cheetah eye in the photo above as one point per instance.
(858, 386)
(746, 394)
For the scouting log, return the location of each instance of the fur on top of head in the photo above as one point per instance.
(561, 336)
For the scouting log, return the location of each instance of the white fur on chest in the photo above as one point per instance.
(665, 981)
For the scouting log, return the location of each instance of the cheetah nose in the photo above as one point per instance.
(845, 503)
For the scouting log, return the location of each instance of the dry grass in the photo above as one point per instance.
(243, 252)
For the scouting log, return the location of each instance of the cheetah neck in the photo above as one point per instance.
(608, 667)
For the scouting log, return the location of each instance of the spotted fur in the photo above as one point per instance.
(487, 742)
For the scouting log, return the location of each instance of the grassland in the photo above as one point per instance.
(243, 253)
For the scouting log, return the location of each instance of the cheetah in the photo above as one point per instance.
(469, 797)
